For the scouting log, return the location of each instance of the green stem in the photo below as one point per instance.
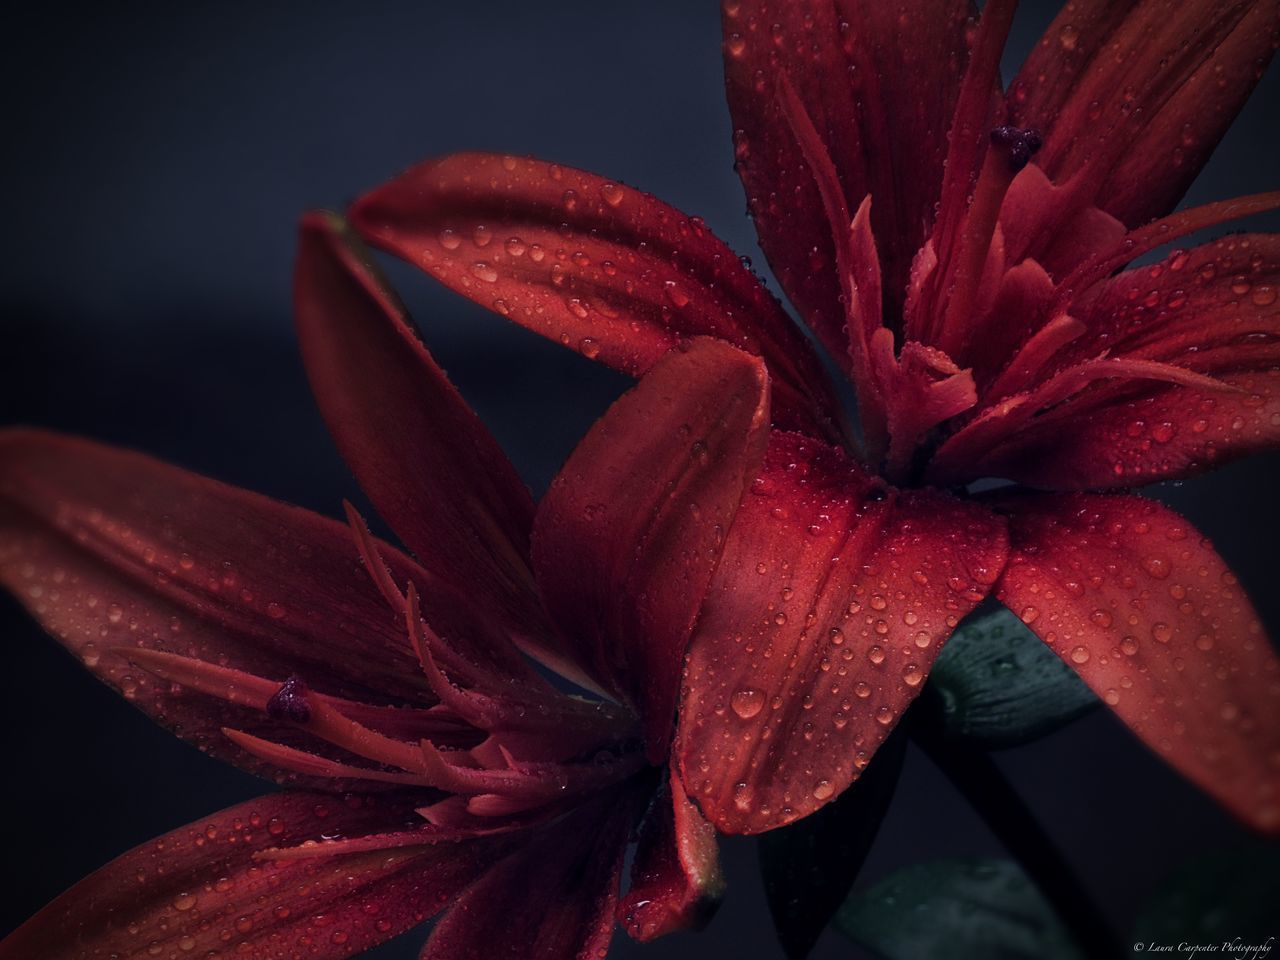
(978, 778)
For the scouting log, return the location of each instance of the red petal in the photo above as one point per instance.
(419, 452)
(676, 883)
(200, 890)
(1139, 604)
(922, 388)
(1208, 309)
(822, 620)
(1134, 97)
(857, 264)
(552, 900)
(628, 535)
(1211, 311)
(882, 108)
(1052, 225)
(113, 549)
(604, 269)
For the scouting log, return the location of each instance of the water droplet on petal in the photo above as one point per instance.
(612, 193)
(746, 703)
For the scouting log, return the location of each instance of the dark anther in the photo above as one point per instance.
(1019, 145)
(290, 702)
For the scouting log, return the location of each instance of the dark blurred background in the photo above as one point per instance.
(159, 157)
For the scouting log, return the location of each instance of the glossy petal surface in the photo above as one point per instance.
(201, 890)
(419, 452)
(824, 617)
(110, 549)
(1134, 96)
(1139, 604)
(1212, 310)
(628, 535)
(882, 108)
(604, 269)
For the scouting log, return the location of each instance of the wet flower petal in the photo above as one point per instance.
(1139, 604)
(202, 890)
(882, 107)
(420, 453)
(604, 269)
(110, 549)
(628, 535)
(1132, 98)
(823, 619)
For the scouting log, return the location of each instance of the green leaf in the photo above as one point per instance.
(809, 866)
(999, 685)
(1215, 899)
(968, 909)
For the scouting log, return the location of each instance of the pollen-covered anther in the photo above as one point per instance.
(290, 702)
(1018, 145)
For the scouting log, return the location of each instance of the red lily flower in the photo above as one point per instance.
(428, 762)
(955, 249)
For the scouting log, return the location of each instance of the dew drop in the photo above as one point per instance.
(1080, 655)
(676, 294)
(1161, 631)
(612, 193)
(1158, 567)
(823, 790)
(747, 702)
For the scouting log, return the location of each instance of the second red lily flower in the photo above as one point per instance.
(430, 765)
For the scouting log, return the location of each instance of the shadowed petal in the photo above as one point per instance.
(882, 108)
(628, 535)
(1140, 605)
(822, 621)
(676, 883)
(1051, 225)
(554, 899)
(604, 269)
(110, 549)
(199, 891)
(1132, 97)
(419, 452)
